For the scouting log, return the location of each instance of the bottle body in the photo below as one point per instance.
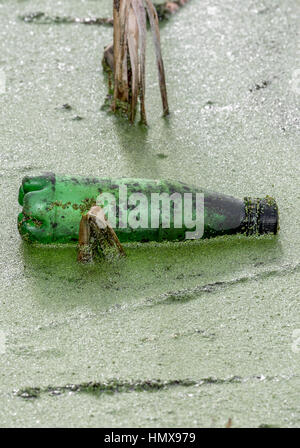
(53, 207)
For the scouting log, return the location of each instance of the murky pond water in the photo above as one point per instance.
(220, 313)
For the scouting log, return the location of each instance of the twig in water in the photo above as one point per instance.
(97, 237)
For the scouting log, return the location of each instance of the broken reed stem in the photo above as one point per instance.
(126, 57)
(127, 68)
(97, 238)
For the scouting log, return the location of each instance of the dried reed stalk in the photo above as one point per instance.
(129, 50)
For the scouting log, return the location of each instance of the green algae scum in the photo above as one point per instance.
(53, 206)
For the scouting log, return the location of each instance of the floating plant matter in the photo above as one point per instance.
(139, 210)
(129, 56)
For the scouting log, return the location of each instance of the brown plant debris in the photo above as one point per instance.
(41, 18)
(97, 238)
(164, 11)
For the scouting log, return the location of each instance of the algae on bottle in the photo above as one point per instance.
(53, 207)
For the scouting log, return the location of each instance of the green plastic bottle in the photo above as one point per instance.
(53, 207)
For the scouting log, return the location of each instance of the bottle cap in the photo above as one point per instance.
(261, 216)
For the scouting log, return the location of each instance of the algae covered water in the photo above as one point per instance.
(178, 334)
